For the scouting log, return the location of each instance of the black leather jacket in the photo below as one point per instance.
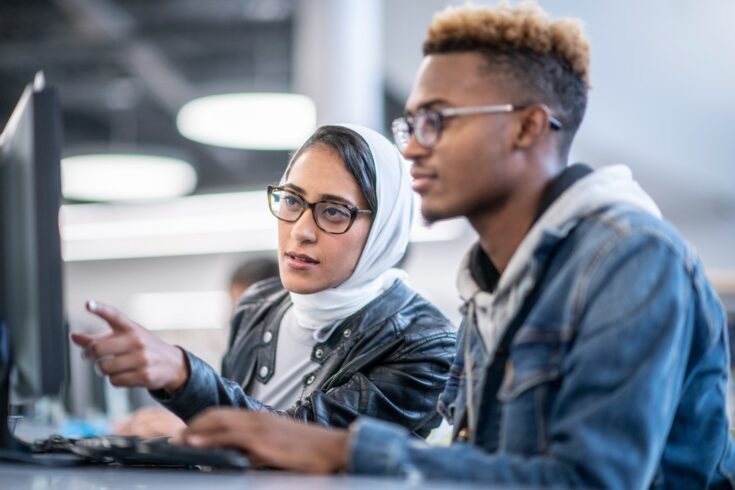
(389, 360)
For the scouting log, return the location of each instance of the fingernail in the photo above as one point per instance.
(98, 370)
(193, 440)
(92, 305)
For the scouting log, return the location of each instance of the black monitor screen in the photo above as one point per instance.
(31, 298)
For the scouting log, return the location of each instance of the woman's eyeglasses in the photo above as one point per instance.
(426, 125)
(331, 217)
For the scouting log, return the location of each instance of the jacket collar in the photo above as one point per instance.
(481, 269)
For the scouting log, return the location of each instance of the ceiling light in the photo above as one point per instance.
(125, 177)
(202, 224)
(258, 121)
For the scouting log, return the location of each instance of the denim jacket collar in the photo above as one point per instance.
(585, 196)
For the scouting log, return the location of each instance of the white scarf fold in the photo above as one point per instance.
(386, 243)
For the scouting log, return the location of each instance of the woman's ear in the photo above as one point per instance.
(534, 123)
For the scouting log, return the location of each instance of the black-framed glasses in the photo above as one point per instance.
(330, 216)
(427, 125)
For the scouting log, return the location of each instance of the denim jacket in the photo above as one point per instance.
(616, 377)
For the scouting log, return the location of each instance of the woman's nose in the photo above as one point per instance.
(304, 229)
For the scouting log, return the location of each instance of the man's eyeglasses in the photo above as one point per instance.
(332, 217)
(427, 125)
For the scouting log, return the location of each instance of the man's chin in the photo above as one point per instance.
(431, 215)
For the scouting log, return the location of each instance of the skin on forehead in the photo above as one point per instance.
(454, 80)
(319, 174)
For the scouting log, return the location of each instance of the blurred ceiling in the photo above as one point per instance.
(124, 68)
(662, 99)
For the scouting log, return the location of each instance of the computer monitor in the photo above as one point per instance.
(33, 339)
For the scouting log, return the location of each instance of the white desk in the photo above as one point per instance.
(27, 477)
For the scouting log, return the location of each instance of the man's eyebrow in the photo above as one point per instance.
(427, 105)
(322, 197)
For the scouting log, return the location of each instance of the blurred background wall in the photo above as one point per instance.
(662, 102)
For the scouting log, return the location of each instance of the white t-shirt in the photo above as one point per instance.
(293, 363)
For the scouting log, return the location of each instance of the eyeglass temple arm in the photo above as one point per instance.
(458, 111)
(486, 109)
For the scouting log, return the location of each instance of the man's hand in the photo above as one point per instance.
(132, 356)
(150, 422)
(272, 441)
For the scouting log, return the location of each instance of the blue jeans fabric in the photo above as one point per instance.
(616, 379)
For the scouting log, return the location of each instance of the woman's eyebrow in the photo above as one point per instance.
(333, 197)
(295, 187)
(322, 197)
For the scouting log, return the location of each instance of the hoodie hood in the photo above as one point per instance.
(603, 188)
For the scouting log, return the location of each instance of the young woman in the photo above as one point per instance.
(340, 334)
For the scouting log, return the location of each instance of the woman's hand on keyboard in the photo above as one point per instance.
(132, 356)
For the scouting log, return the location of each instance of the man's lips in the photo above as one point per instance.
(421, 180)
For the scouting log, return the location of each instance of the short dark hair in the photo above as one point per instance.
(543, 60)
(254, 270)
(354, 152)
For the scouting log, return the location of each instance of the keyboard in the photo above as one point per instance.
(134, 451)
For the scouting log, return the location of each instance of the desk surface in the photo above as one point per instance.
(27, 477)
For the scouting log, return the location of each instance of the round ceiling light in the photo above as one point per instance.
(125, 177)
(257, 121)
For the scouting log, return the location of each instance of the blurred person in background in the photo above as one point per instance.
(247, 274)
(340, 333)
(594, 351)
(157, 421)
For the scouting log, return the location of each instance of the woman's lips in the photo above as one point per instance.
(300, 262)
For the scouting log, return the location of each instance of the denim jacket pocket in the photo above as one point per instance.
(530, 384)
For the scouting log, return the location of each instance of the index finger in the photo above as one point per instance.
(117, 321)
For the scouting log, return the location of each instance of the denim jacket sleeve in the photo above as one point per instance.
(448, 399)
(621, 378)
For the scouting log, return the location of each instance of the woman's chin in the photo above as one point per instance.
(301, 287)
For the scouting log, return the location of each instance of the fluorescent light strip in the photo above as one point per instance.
(125, 177)
(260, 121)
(219, 223)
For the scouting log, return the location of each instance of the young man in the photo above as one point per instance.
(594, 351)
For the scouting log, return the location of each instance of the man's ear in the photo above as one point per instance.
(534, 123)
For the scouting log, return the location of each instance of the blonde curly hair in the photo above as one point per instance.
(547, 60)
(525, 27)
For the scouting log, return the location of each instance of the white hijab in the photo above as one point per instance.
(386, 243)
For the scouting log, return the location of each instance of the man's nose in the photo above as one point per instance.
(413, 150)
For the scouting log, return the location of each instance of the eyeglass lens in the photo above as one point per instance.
(426, 126)
(330, 217)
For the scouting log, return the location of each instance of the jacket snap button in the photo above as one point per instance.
(264, 371)
(346, 333)
(318, 353)
(310, 379)
(267, 336)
